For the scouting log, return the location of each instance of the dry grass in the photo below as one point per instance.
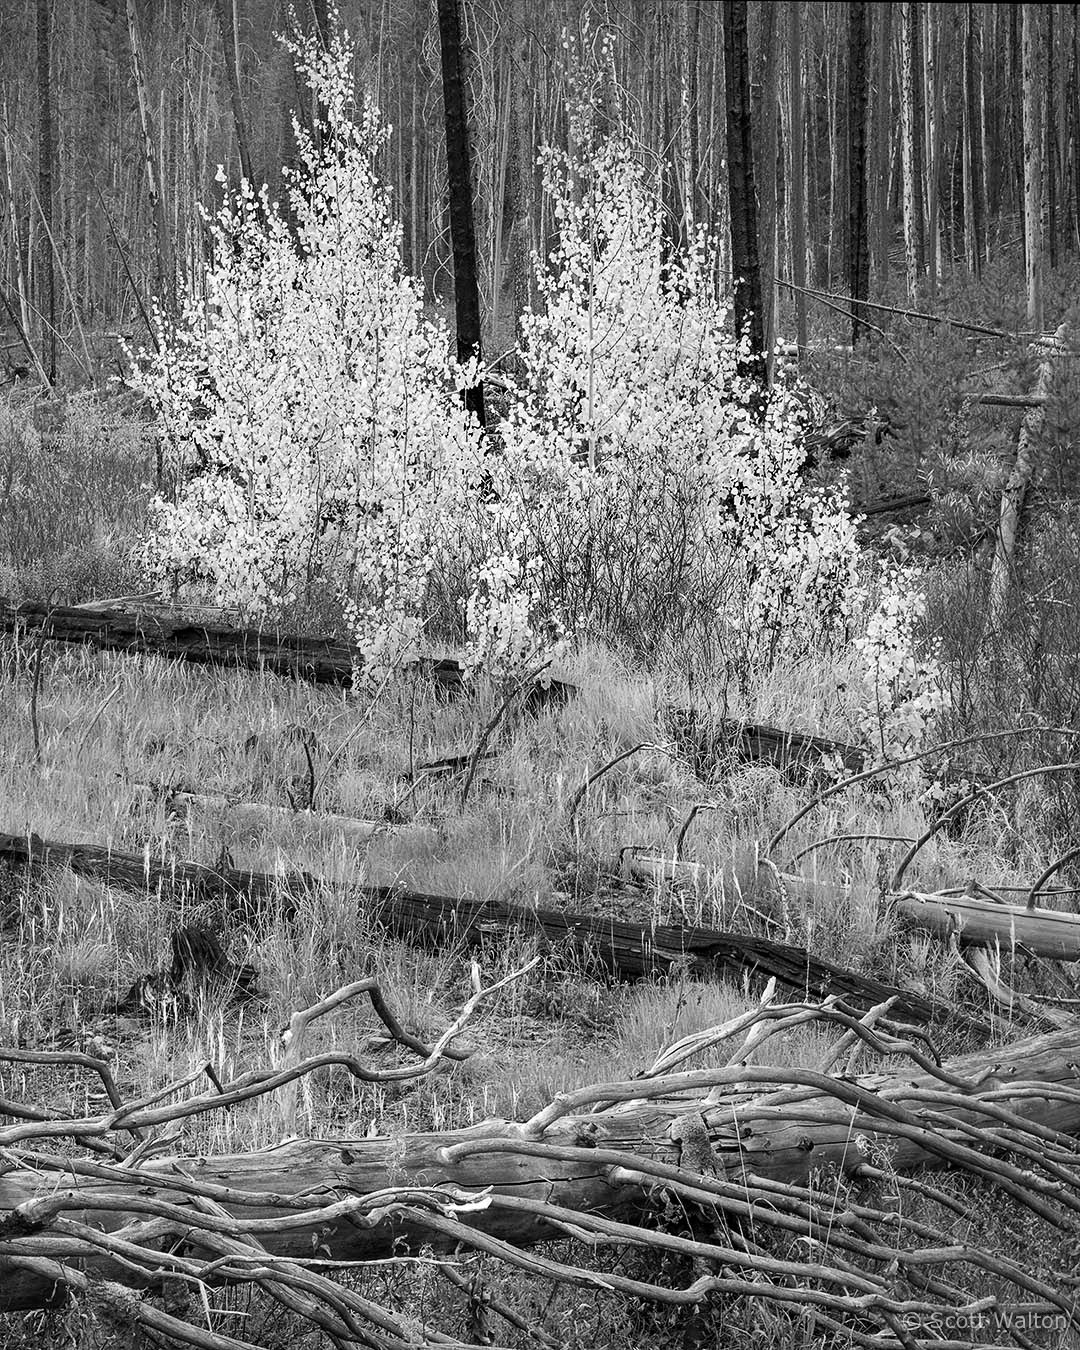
(105, 724)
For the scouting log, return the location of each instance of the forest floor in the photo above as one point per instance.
(92, 744)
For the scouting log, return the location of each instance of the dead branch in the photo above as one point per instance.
(769, 1159)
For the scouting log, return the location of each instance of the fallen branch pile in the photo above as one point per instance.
(801, 1189)
(628, 950)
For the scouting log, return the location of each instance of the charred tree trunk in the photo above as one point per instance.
(459, 180)
(858, 229)
(742, 197)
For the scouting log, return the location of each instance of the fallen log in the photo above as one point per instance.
(162, 632)
(245, 816)
(778, 1152)
(627, 950)
(979, 922)
(709, 744)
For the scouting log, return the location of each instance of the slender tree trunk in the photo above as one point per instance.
(764, 122)
(857, 232)
(973, 205)
(459, 177)
(881, 225)
(166, 265)
(1032, 167)
(797, 195)
(46, 155)
(933, 121)
(226, 16)
(745, 265)
(911, 130)
(1050, 154)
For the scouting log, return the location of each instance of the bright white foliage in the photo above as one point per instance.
(322, 414)
(323, 410)
(904, 689)
(632, 402)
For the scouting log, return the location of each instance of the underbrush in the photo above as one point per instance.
(76, 477)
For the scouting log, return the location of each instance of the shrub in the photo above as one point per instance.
(316, 409)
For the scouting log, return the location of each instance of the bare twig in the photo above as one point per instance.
(489, 729)
(887, 766)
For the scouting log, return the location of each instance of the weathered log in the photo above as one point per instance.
(590, 1153)
(162, 632)
(892, 504)
(628, 950)
(979, 922)
(709, 744)
(353, 833)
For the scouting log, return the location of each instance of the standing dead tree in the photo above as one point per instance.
(460, 188)
(788, 1180)
(742, 195)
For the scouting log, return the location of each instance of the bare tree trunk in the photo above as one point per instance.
(933, 121)
(226, 16)
(46, 154)
(1050, 153)
(881, 227)
(166, 265)
(857, 232)
(459, 178)
(1032, 167)
(972, 132)
(911, 130)
(742, 196)
(1015, 492)
(764, 120)
(797, 195)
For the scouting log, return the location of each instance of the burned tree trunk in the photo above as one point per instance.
(459, 179)
(742, 196)
(858, 226)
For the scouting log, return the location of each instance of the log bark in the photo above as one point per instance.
(569, 1157)
(165, 633)
(243, 816)
(627, 950)
(977, 922)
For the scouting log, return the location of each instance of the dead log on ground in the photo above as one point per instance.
(710, 744)
(627, 950)
(164, 633)
(979, 922)
(243, 816)
(760, 1159)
